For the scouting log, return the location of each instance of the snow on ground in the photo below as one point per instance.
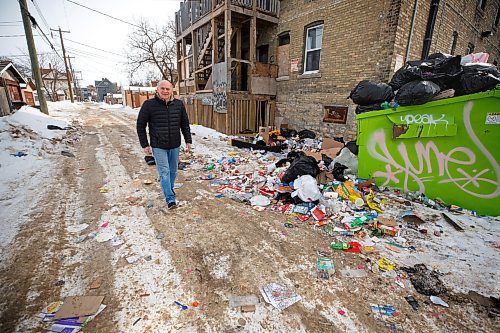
(106, 106)
(26, 132)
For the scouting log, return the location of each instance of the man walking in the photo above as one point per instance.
(165, 117)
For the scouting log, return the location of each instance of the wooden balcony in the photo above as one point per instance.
(191, 11)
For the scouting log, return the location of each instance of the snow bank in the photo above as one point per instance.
(33, 119)
(23, 178)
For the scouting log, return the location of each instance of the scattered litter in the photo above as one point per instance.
(105, 234)
(148, 182)
(149, 204)
(96, 284)
(248, 308)
(325, 268)
(79, 306)
(59, 283)
(413, 302)
(80, 239)
(67, 153)
(453, 223)
(19, 154)
(386, 314)
(438, 301)
(260, 200)
(279, 296)
(77, 227)
(182, 306)
(238, 301)
(104, 189)
(178, 185)
(136, 321)
(385, 264)
(116, 241)
(132, 259)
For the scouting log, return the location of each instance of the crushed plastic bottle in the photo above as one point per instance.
(339, 246)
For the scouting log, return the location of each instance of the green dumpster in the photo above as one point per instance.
(447, 149)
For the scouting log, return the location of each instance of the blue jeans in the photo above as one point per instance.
(167, 161)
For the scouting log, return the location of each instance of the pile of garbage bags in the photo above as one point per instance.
(421, 81)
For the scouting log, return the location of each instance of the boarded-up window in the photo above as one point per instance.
(284, 54)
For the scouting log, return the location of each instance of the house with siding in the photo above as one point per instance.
(103, 88)
(246, 63)
(11, 97)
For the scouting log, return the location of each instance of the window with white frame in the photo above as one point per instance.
(312, 54)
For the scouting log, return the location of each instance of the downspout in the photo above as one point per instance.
(412, 26)
(430, 28)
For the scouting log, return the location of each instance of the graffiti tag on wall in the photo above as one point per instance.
(413, 163)
(219, 98)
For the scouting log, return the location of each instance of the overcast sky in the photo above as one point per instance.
(86, 27)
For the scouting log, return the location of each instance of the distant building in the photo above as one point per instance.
(11, 97)
(55, 84)
(103, 88)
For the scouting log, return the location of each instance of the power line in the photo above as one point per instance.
(93, 47)
(94, 10)
(35, 24)
(11, 21)
(41, 15)
(7, 36)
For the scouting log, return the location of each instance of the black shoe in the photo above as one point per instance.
(172, 205)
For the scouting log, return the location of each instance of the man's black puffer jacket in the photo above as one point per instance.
(165, 121)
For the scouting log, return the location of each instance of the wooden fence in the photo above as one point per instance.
(245, 113)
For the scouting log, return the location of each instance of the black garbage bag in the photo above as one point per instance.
(303, 165)
(338, 172)
(417, 92)
(369, 92)
(353, 147)
(368, 108)
(290, 157)
(439, 68)
(476, 78)
(326, 159)
(307, 134)
(339, 139)
(407, 73)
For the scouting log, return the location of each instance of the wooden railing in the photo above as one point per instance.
(193, 10)
(271, 7)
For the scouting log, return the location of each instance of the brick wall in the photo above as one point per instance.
(362, 40)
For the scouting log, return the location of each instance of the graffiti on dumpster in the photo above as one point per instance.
(454, 164)
(423, 119)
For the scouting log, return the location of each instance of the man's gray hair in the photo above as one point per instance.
(162, 81)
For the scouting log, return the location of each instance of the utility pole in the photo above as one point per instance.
(35, 66)
(73, 74)
(66, 64)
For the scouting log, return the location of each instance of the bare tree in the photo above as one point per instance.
(52, 68)
(152, 47)
(53, 75)
(24, 67)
